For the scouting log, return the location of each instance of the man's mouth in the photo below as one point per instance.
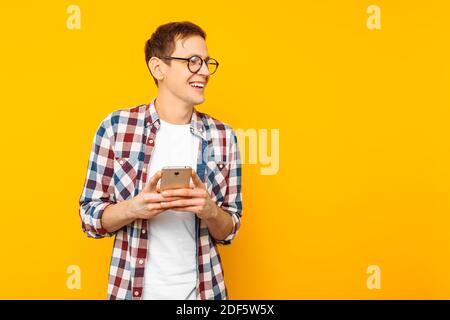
(197, 84)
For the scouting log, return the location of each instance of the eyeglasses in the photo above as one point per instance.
(195, 63)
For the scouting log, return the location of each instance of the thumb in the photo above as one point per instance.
(151, 186)
(196, 180)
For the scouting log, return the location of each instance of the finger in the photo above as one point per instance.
(196, 180)
(154, 207)
(157, 197)
(182, 203)
(151, 185)
(183, 192)
(170, 199)
(191, 209)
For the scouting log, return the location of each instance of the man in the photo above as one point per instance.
(166, 242)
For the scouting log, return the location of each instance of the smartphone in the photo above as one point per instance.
(174, 177)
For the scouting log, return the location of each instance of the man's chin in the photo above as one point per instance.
(198, 100)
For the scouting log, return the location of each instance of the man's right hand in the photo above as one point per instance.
(147, 203)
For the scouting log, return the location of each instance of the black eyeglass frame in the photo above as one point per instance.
(215, 62)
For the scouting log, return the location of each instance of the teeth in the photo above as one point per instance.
(198, 85)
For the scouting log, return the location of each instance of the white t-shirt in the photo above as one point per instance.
(171, 269)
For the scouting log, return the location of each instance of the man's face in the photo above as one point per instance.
(178, 79)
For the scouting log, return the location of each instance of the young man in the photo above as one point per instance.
(166, 242)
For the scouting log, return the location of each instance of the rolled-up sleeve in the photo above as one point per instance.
(98, 190)
(232, 203)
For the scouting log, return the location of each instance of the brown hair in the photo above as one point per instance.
(162, 41)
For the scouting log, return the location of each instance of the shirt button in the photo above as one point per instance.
(144, 231)
(141, 261)
(121, 161)
(136, 293)
(150, 141)
(201, 129)
(144, 169)
(220, 166)
(148, 123)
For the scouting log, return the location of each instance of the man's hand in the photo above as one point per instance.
(194, 199)
(149, 202)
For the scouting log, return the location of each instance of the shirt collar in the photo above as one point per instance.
(197, 126)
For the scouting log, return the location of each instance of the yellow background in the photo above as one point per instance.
(364, 140)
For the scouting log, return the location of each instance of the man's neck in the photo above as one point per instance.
(173, 110)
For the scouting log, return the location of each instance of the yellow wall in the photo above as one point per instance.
(362, 116)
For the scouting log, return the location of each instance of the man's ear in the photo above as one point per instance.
(156, 68)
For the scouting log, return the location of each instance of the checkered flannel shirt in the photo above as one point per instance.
(117, 171)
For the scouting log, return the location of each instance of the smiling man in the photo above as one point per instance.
(166, 242)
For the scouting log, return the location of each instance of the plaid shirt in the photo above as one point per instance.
(117, 171)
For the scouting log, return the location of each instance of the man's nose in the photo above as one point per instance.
(204, 71)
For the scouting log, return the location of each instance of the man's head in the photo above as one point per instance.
(179, 40)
